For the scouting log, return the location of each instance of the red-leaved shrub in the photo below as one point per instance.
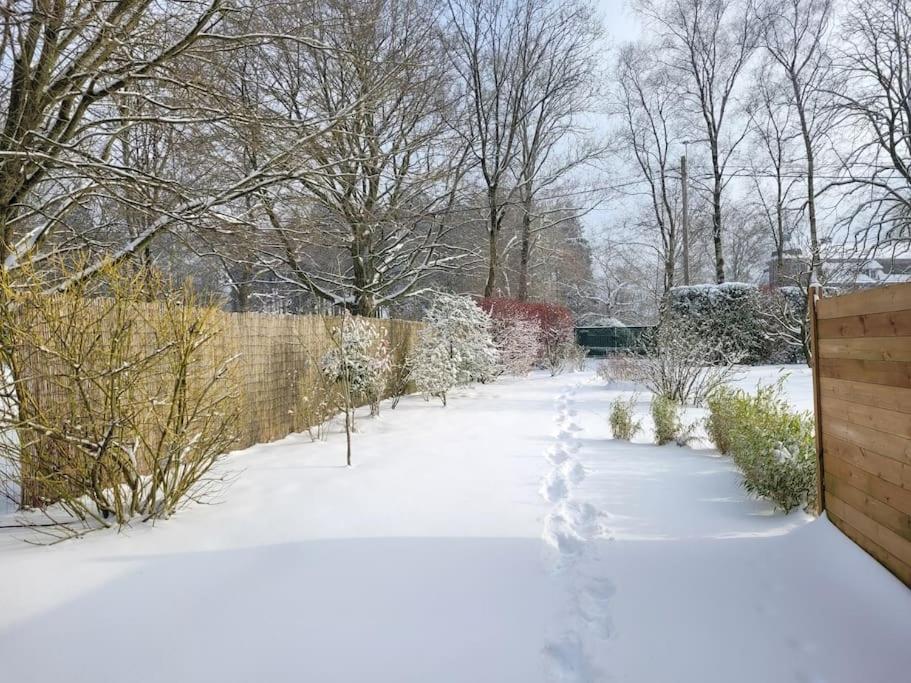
(555, 324)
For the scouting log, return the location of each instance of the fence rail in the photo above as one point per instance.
(862, 395)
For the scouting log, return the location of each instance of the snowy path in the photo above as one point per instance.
(504, 538)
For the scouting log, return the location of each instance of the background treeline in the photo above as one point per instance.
(317, 155)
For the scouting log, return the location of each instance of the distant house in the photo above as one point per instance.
(842, 273)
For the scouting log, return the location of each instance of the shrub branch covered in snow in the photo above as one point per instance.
(556, 337)
(454, 347)
(787, 325)
(772, 445)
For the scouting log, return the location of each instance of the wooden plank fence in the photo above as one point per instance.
(862, 395)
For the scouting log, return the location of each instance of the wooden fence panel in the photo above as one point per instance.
(862, 395)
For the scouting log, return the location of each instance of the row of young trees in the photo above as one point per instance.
(794, 118)
(343, 152)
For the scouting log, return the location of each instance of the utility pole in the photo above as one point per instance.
(686, 219)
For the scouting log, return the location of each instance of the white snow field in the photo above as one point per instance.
(505, 538)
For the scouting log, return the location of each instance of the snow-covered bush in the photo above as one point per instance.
(622, 424)
(518, 342)
(454, 347)
(666, 416)
(772, 445)
(730, 315)
(359, 358)
(681, 363)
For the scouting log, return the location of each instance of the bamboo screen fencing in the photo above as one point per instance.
(277, 369)
(274, 378)
(862, 394)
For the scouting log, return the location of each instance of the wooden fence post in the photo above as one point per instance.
(813, 294)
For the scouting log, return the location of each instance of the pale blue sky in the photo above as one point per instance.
(619, 20)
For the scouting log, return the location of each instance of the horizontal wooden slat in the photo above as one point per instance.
(878, 300)
(889, 373)
(886, 445)
(867, 348)
(901, 570)
(894, 496)
(877, 465)
(892, 324)
(887, 539)
(877, 395)
(879, 512)
(880, 419)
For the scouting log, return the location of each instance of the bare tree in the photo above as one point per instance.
(77, 80)
(876, 101)
(709, 43)
(486, 44)
(559, 64)
(647, 102)
(796, 34)
(773, 132)
(366, 224)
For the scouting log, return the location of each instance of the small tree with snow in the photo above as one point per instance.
(359, 359)
(454, 347)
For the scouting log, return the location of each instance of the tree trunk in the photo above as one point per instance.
(669, 264)
(363, 303)
(493, 229)
(716, 218)
(815, 259)
(525, 253)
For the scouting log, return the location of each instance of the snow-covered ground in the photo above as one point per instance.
(503, 538)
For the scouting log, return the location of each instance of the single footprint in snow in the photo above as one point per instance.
(564, 435)
(558, 532)
(585, 519)
(566, 660)
(555, 487)
(573, 470)
(594, 607)
(556, 455)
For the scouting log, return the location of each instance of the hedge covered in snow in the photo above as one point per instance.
(756, 325)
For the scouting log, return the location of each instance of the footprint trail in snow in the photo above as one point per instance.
(568, 528)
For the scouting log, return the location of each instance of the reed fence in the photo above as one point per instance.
(274, 379)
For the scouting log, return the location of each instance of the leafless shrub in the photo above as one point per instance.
(620, 366)
(682, 365)
(117, 415)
